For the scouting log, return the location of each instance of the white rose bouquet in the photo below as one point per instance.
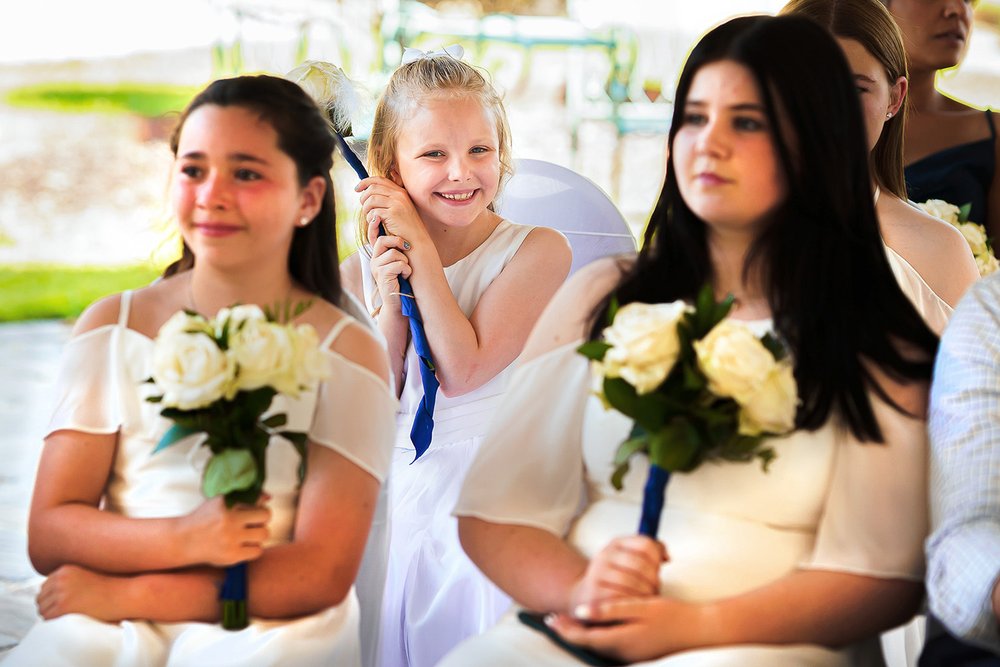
(218, 377)
(975, 234)
(697, 386)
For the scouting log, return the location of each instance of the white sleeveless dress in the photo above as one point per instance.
(826, 503)
(931, 307)
(101, 390)
(434, 595)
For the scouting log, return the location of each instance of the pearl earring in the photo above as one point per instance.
(303, 221)
(888, 115)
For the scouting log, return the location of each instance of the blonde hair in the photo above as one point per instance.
(423, 78)
(870, 24)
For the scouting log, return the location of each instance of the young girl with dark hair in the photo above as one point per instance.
(133, 551)
(767, 197)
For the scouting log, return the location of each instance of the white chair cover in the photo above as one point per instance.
(548, 195)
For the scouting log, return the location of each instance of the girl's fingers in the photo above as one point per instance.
(627, 582)
(392, 272)
(251, 515)
(371, 181)
(255, 537)
(384, 244)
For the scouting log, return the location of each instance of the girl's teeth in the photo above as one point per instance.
(458, 197)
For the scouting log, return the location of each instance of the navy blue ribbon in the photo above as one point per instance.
(652, 500)
(233, 596)
(423, 421)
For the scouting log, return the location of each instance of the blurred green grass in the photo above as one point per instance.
(38, 291)
(149, 100)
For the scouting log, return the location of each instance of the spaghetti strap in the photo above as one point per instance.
(335, 330)
(989, 121)
(124, 306)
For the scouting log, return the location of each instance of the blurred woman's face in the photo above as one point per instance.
(724, 155)
(935, 32)
(879, 96)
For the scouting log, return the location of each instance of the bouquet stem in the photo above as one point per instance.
(652, 500)
(233, 596)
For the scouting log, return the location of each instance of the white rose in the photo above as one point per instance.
(190, 369)
(644, 343)
(236, 316)
(264, 354)
(987, 264)
(181, 322)
(941, 209)
(976, 237)
(308, 363)
(734, 360)
(772, 408)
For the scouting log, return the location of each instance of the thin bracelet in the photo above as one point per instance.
(408, 296)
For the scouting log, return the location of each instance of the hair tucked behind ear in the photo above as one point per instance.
(870, 24)
(418, 81)
(303, 135)
(832, 293)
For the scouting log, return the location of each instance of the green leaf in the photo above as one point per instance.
(252, 404)
(774, 346)
(693, 380)
(594, 349)
(705, 301)
(619, 476)
(621, 396)
(963, 212)
(301, 307)
(675, 446)
(612, 308)
(229, 470)
(274, 421)
(766, 455)
(175, 433)
(631, 447)
(651, 411)
(189, 419)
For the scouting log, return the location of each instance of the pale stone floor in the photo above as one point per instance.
(29, 357)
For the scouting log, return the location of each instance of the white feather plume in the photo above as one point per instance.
(343, 99)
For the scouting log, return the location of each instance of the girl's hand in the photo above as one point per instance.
(384, 201)
(72, 589)
(388, 263)
(221, 536)
(628, 567)
(635, 629)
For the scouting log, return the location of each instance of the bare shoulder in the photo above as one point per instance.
(913, 225)
(356, 343)
(546, 238)
(546, 247)
(569, 315)
(98, 314)
(149, 307)
(934, 248)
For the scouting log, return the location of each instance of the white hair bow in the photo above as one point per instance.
(410, 54)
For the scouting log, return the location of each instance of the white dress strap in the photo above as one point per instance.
(124, 305)
(335, 330)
